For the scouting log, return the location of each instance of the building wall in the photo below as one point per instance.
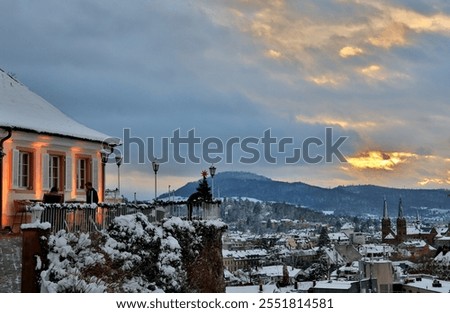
(383, 272)
(40, 147)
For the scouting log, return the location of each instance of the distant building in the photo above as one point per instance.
(423, 285)
(383, 271)
(243, 259)
(340, 238)
(335, 286)
(274, 273)
(402, 232)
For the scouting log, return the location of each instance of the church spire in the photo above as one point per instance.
(385, 211)
(400, 208)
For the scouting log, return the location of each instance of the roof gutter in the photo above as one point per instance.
(2, 154)
(28, 130)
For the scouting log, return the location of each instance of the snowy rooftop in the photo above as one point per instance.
(414, 230)
(427, 284)
(414, 243)
(243, 254)
(277, 270)
(23, 109)
(442, 258)
(269, 288)
(442, 230)
(333, 284)
(337, 236)
(347, 226)
(373, 248)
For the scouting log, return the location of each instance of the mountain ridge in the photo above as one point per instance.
(345, 200)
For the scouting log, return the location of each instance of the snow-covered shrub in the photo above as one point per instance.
(70, 257)
(134, 245)
(133, 255)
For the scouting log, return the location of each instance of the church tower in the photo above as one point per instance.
(401, 223)
(385, 222)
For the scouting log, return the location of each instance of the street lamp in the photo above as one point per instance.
(105, 156)
(118, 162)
(155, 166)
(212, 172)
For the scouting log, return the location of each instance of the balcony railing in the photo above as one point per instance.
(83, 217)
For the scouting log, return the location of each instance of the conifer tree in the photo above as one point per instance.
(324, 240)
(203, 188)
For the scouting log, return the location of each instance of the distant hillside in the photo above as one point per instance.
(354, 200)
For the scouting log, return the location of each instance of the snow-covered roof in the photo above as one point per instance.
(414, 243)
(277, 270)
(333, 284)
(347, 226)
(22, 109)
(442, 238)
(442, 258)
(414, 230)
(244, 254)
(426, 283)
(374, 249)
(442, 230)
(338, 236)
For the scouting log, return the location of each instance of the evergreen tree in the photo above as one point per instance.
(324, 240)
(285, 279)
(203, 188)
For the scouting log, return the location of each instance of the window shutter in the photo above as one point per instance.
(95, 173)
(45, 169)
(68, 174)
(15, 168)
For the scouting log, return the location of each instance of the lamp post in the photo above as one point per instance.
(212, 172)
(118, 162)
(155, 166)
(105, 155)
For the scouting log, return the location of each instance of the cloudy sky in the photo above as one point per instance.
(374, 71)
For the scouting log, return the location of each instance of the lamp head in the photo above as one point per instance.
(155, 166)
(212, 170)
(119, 160)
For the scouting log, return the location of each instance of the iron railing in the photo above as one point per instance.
(84, 217)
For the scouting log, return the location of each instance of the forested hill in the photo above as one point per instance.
(351, 200)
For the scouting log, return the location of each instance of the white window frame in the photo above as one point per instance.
(23, 171)
(82, 172)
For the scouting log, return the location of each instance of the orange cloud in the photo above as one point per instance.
(392, 35)
(350, 52)
(379, 160)
(330, 80)
(438, 181)
(348, 124)
(274, 54)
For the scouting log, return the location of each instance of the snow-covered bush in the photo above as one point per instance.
(133, 255)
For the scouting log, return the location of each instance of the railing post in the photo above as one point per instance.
(34, 255)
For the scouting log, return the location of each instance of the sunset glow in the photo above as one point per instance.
(379, 160)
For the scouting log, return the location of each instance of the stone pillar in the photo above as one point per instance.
(34, 255)
(205, 273)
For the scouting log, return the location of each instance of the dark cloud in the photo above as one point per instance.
(238, 68)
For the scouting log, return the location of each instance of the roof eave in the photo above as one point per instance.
(28, 130)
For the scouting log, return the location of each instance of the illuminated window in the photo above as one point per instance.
(55, 172)
(24, 170)
(83, 172)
